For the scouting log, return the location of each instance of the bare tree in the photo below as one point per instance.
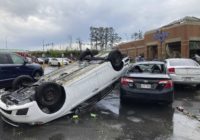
(137, 35)
(79, 44)
(103, 37)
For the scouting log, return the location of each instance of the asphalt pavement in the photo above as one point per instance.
(108, 120)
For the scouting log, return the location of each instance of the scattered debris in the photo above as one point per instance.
(185, 112)
(180, 108)
(75, 117)
(93, 115)
(19, 133)
(104, 112)
(134, 119)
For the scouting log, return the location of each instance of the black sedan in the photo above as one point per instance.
(147, 80)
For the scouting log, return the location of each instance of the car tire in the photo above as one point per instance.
(122, 100)
(115, 58)
(21, 80)
(49, 95)
(197, 87)
(168, 103)
(59, 64)
(37, 75)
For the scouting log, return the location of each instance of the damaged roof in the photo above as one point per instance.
(186, 19)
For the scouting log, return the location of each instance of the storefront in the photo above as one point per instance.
(180, 38)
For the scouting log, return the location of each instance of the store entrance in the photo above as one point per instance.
(152, 52)
(173, 50)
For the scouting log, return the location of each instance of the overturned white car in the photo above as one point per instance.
(62, 91)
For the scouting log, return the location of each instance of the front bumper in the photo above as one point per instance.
(145, 94)
(28, 113)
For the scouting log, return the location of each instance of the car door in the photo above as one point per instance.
(20, 66)
(7, 71)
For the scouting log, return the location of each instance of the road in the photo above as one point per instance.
(111, 121)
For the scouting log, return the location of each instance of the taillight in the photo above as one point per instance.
(125, 81)
(166, 83)
(171, 70)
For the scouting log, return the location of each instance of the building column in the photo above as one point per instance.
(185, 49)
(159, 51)
(146, 52)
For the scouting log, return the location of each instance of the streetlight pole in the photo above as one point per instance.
(43, 45)
(6, 43)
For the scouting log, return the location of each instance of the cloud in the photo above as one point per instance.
(26, 23)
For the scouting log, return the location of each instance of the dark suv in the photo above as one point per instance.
(13, 66)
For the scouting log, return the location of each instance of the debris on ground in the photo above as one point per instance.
(105, 112)
(75, 117)
(180, 108)
(185, 112)
(93, 115)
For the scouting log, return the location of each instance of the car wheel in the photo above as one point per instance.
(49, 95)
(20, 81)
(168, 103)
(197, 87)
(37, 75)
(115, 58)
(122, 100)
(59, 64)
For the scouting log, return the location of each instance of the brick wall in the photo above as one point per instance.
(177, 33)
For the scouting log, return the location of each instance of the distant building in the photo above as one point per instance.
(180, 38)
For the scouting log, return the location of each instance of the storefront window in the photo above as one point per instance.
(194, 48)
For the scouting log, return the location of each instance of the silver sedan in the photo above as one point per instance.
(183, 71)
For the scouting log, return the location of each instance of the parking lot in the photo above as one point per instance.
(109, 120)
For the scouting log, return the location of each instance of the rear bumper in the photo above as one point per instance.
(179, 79)
(167, 95)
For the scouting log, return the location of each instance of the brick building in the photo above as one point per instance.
(180, 38)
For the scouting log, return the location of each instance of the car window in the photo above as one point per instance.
(5, 59)
(148, 68)
(183, 62)
(54, 59)
(17, 59)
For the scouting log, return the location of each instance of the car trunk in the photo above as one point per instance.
(184, 70)
(148, 81)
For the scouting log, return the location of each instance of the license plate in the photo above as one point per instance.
(145, 86)
(187, 78)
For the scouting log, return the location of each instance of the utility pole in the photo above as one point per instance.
(80, 44)
(47, 45)
(6, 43)
(52, 45)
(70, 41)
(43, 45)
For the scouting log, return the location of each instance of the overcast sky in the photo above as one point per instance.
(26, 23)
